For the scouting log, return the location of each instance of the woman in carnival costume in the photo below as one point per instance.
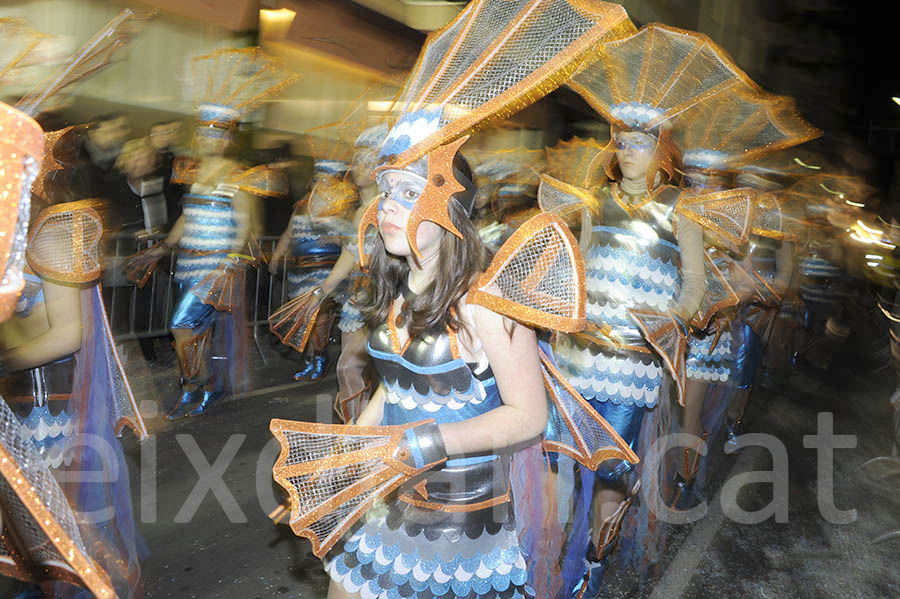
(735, 127)
(215, 227)
(643, 247)
(461, 379)
(68, 389)
(312, 239)
(304, 323)
(352, 385)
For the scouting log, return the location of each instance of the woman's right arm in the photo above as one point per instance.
(175, 232)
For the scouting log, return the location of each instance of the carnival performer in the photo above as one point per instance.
(215, 227)
(644, 254)
(67, 389)
(67, 384)
(313, 240)
(462, 380)
(736, 127)
(353, 388)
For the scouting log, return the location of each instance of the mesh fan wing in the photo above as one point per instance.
(125, 406)
(768, 218)
(574, 428)
(725, 215)
(557, 197)
(739, 126)
(222, 287)
(765, 291)
(64, 243)
(665, 336)
(578, 162)
(334, 473)
(192, 352)
(140, 267)
(520, 166)
(537, 277)
(740, 281)
(494, 59)
(718, 295)
(295, 321)
(44, 528)
(655, 75)
(332, 197)
(238, 78)
(761, 318)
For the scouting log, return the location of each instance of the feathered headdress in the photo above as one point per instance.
(494, 59)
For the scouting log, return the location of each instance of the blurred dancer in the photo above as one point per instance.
(461, 524)
(313, 241)
(215, 227)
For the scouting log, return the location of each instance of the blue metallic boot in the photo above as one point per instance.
(183, 405)
(304, 372)
(590, 586)
(210, 397)
(320, 367)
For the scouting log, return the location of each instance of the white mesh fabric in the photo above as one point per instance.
(537, 277)
(557, 199)
(493, 60)
(725, 215)
(27, 485)
(64, 244)
(655, 75)
(738, 126)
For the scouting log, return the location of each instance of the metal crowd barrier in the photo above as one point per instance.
(142, 313)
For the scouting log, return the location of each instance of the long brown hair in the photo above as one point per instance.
(459, 263)
(666, 160)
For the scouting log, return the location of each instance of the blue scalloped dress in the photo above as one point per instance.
(632, 261)
(454, 536)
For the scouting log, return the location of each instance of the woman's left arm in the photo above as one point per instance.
(693, 271)
(513, 356)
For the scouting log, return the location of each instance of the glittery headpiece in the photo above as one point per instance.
(21, 149)
(494, 59)
(652, 77)
(578, 162)
(231, 82)
(738, 126)
(95, 54)
(21, 48)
